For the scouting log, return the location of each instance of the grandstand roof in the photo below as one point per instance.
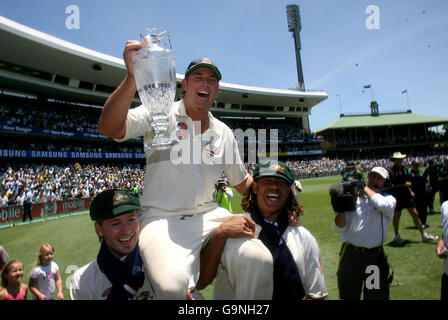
(391, 119)
(45, 65)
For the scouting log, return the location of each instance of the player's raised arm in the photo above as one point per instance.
(112, 122)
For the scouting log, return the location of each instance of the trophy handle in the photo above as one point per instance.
(152, 35)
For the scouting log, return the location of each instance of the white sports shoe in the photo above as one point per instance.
(398, 239)
(426, 237)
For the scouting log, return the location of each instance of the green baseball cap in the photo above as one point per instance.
(204, 62)
(273, 168)
(111, 203)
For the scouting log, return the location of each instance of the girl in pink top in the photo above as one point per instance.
(12, 276)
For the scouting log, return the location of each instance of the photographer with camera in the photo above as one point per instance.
(362, 219)
(222, 194)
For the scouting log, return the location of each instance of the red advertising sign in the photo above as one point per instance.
(15, 213)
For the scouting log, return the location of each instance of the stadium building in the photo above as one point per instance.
(52, 92)
(377, 135)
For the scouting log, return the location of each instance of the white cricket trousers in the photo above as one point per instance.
(170, 249)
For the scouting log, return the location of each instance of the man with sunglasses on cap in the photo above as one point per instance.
(117, 273)
(362, 261)
(270, 203)
(178, 211)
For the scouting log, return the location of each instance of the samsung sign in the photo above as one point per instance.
(8, 153)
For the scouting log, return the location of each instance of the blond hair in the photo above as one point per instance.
(43, 249)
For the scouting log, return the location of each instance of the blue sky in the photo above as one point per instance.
(250, 42)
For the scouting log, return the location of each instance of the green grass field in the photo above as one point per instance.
(417, 268)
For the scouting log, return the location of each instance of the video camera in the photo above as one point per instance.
(344, 193)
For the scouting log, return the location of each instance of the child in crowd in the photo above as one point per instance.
(12, 276)
(45, 275)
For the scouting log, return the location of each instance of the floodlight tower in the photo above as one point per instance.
(294, 26)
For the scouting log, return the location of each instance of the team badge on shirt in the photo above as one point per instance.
(182, 129)
(209, 147)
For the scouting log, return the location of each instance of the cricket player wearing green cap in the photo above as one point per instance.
(270, 202)
(117, 273)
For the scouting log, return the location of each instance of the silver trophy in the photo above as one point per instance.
(155, 77)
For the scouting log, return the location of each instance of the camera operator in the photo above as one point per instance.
(362, 261)
(222, 194)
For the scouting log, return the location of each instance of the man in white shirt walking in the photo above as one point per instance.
(28, 204)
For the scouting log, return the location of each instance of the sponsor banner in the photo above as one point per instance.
(291, 153)
(290, 140)
(308, 152)
(321, 139)
(16, 128)
(40, 209)
(52, 132)
(9, 153)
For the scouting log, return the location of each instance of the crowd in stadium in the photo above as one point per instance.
(45, 117)
(56, 182)
(376, 139)
(55, 116)
(61, 182)
(286, 132)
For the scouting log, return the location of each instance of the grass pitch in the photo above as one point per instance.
(417, 269)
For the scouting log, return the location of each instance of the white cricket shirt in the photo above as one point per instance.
(305, 251)
(364, 226)
(181, 180)
(89, 283)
